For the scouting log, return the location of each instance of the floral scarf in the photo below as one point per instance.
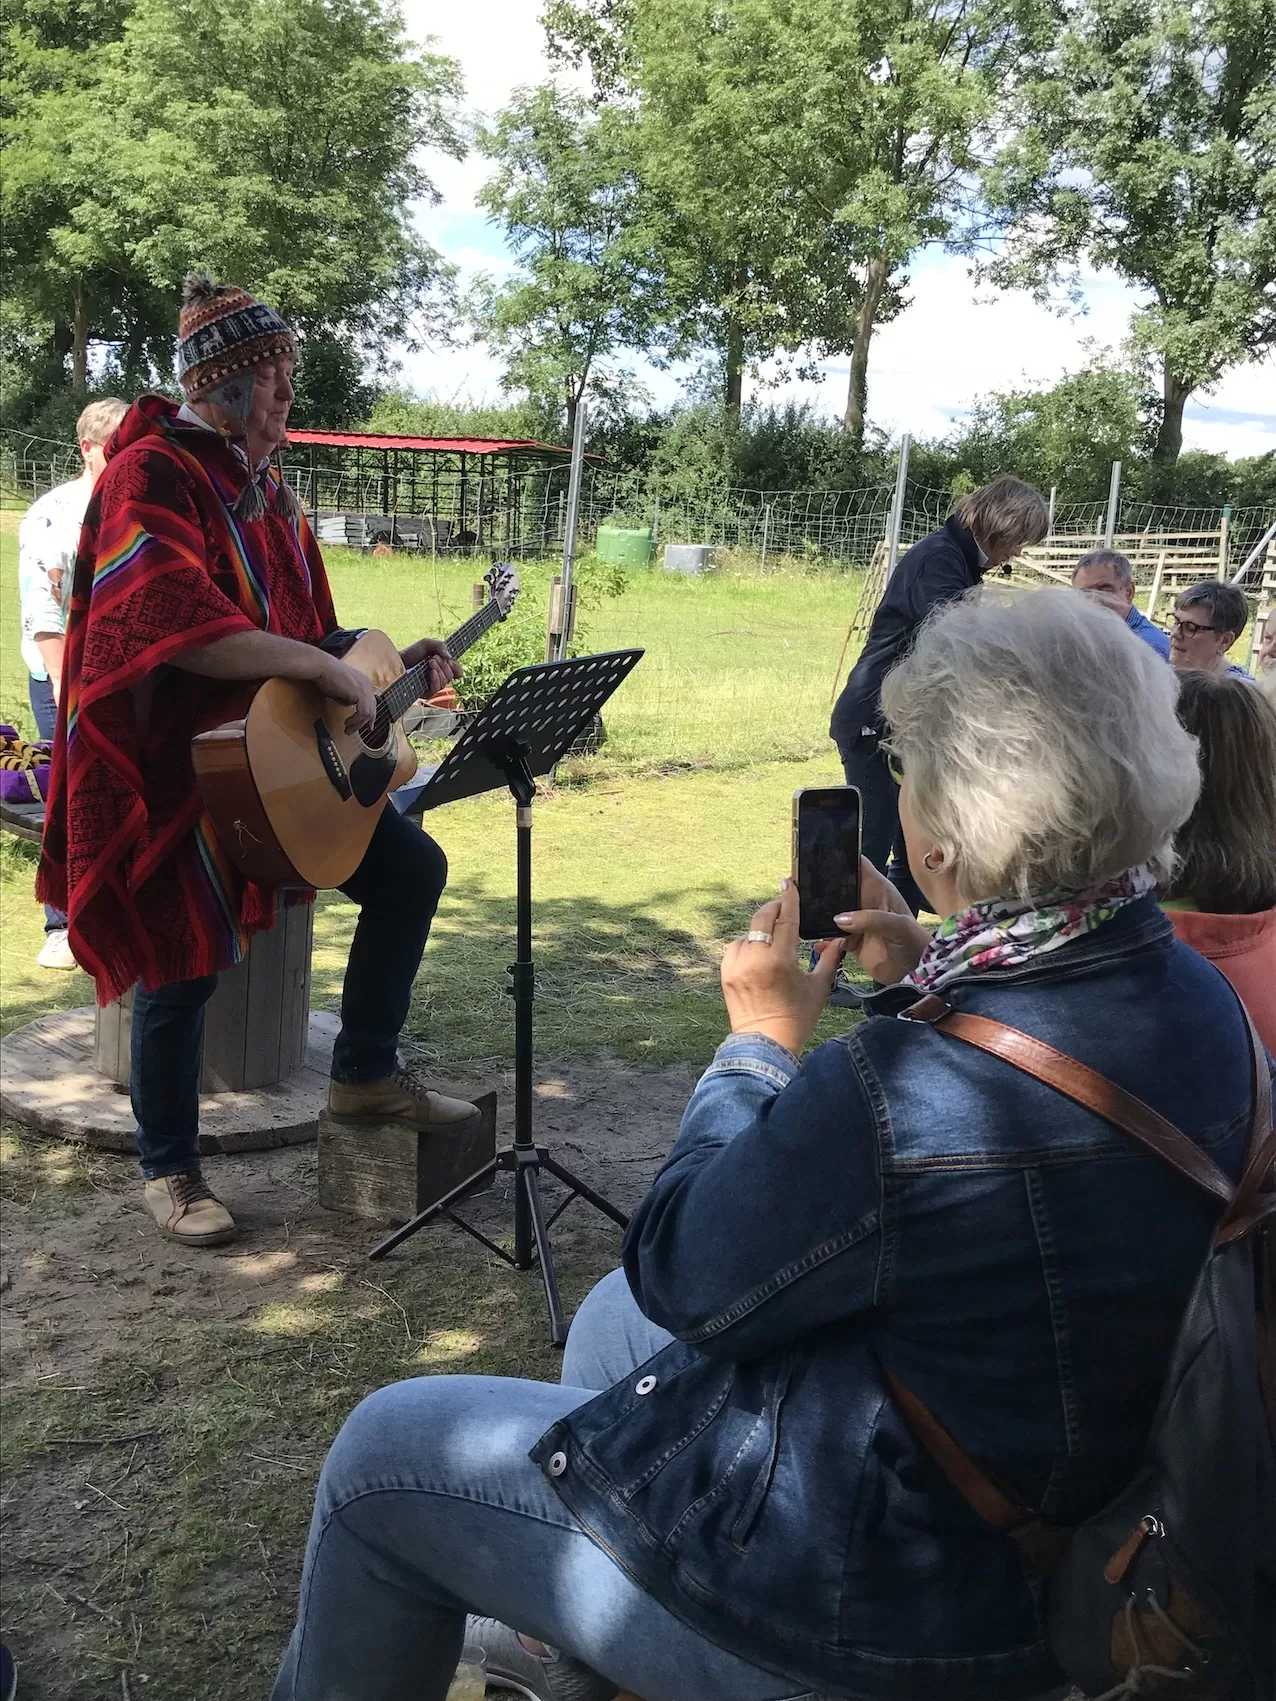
(1001, 933)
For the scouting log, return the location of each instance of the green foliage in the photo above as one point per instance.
(398, 410)
(194, 135)
(1067, 435)
(566, 192)
(794, 155)
(1144, 139)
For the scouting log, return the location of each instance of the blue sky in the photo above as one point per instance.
(951, 344)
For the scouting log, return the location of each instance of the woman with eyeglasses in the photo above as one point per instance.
(720, 1501)
(1208, 619)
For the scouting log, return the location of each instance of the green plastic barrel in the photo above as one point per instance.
(625, 546)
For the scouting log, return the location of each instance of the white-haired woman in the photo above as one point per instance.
(721, 1502)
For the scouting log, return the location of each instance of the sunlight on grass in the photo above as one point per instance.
(324, 1281)
(444, 1346)
(288, 1320)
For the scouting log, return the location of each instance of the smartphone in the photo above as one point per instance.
(826, 856)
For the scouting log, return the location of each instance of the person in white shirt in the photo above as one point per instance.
(48, 539)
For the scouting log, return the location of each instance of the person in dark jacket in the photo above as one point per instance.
(988, 528)
(720, 1502)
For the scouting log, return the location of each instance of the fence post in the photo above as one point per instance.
(766, 523)
(1054, 491)
(655, 527)
(557, 647)
(1225, 526)
(897, 506)
(1114, 497)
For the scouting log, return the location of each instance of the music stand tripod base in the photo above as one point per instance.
(524, 730)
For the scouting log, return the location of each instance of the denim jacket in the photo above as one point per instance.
(900, 1199)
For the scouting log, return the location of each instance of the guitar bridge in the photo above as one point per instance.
(333, 766)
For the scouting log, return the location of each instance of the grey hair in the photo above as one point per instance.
(1120, 564)
(1041, 744)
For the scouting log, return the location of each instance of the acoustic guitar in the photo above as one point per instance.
(294, 797)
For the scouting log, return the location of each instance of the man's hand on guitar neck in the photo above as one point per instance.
(443, 670)
(265, 655)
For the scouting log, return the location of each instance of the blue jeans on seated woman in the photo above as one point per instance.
(429, 1508)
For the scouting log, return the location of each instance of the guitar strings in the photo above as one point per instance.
(397, 697)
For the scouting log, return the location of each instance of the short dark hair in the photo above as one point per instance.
(1228, 610)
(1227, 846)
(1107, 558)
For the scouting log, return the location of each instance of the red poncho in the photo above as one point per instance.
(163, 567)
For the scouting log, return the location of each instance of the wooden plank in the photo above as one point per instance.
(263, 1008)
(388, 1172)
(224, 1025)
(301, 926)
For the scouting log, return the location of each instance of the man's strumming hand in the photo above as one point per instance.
(347, 685)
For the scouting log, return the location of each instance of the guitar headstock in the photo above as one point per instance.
(502, 586)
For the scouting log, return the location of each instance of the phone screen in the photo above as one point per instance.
(826, 856)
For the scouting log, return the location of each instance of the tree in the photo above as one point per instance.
(566, 192)
(1067, 435)
(275, 142)
(803, 150)
(1146, 141)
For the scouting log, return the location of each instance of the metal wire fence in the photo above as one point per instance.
(522, 510)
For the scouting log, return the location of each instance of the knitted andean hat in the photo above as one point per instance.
(222, 335)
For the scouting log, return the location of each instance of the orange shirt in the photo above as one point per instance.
(1243, 947)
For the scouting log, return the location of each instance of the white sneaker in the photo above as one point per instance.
(55, 953)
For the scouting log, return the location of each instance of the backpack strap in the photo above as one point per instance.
(1246, 1205)
(1084, 1086)
(1255, 1199)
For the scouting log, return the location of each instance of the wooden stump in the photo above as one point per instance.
(255, 1024)
(388, 1172)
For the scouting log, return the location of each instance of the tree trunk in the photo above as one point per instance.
(857, 392)
(79, 340)
(734, 354)
(1169, 437)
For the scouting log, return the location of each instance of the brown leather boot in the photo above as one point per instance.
(398, 1098)
(187, 1210)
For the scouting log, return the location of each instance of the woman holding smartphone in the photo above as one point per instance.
(721, 1500)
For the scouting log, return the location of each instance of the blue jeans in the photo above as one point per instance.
(429, 1508)
(865, 767)
(397, 887)
(44, 707)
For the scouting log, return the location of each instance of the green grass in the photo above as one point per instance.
(647, 857)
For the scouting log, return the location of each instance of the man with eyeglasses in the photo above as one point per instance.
(1208, 619)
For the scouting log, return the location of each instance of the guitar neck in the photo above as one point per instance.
(396, 699)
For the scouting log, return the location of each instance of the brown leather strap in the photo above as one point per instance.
(1247, 1205)
(1247, 1208)
(1083, 1085)
(1041, 1544)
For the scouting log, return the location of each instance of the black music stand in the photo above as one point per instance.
(536, 715)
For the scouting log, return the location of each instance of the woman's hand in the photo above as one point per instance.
(766, 989)
(883, 936)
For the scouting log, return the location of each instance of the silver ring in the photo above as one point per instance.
(757, 937)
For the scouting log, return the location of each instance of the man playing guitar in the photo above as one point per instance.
(196, 568)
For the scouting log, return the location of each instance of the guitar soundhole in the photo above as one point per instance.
(370, 776)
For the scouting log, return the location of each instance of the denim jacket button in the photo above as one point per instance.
(557, 1464)
(644, 1385)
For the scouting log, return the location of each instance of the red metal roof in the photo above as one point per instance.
(443, 445)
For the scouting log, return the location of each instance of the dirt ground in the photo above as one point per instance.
(166, 1411)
